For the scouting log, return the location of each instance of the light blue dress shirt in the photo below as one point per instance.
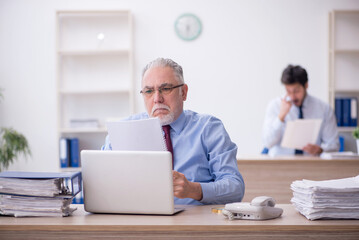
(313, 108)
(204, 153)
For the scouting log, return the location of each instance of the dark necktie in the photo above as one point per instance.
(166, 130)
(300, 116)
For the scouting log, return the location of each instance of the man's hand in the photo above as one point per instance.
(284, 108)
(313, 149)
(183, 188)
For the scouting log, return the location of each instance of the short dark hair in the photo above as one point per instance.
(294, 74)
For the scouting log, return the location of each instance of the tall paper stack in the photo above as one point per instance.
(330, 199)
(29, 194)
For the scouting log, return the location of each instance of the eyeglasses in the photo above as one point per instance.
(163, 90)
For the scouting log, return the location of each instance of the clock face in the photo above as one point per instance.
(188, 27)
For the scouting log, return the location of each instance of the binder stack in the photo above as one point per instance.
(346, 111)
(29, 194)
(330, 199)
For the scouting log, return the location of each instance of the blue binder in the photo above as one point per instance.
(339, 111)
(346, 112)
(73, 180)
(341, 143)
(64, 146)
(74, 152)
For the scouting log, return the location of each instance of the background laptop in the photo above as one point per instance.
(136, 182)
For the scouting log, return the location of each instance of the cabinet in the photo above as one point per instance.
(94, 73)
(344, 63)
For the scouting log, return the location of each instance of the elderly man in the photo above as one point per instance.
(205, 166)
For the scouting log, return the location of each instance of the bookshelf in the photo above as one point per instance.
(344, 63)
(94, 51)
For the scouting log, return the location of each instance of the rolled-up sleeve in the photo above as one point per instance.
(228, 185)
(273, 127)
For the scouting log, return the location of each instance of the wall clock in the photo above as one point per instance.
(188, 27)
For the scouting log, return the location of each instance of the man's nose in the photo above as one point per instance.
(158, 97)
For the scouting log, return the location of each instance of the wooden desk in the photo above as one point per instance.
(264, 175)
(196, 221)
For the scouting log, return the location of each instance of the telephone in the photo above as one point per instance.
(261, 208)
(287, 98)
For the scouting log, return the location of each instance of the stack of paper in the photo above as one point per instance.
(331, 199)
(46, 187)
(25, 206)
(24, 194)
(339, 155)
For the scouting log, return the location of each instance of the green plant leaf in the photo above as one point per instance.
(356, 133)
(12, 144)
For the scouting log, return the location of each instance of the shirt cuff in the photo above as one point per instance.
(208, 194)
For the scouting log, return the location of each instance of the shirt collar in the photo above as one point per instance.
(305, 101)
(178, 125)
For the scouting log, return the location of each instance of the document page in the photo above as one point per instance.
(300, 132)
(136, 135)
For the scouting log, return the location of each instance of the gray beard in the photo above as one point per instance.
(167, 119)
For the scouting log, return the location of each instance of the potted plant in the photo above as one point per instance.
(356, 136)
(12, 144)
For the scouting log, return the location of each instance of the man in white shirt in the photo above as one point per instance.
(298, 104)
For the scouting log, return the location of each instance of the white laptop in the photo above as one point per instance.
(130, 182)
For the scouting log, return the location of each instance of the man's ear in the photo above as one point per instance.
(306, 86)
(184, 92)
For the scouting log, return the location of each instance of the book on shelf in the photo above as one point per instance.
(64, 147)
(69, 152)
(25, 194)
(84, 123)
(74, 152)
(346, 111)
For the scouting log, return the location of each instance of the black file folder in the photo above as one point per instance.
(70, 186)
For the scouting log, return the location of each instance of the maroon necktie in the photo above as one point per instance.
(166, 130)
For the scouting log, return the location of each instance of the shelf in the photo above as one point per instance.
(83, 130)
(71, 169)
(87, 30)
(344, 68)
(347, 51)
(93, 52)
(92, 13)
(94, 91)
(348, 91)
(346, 129)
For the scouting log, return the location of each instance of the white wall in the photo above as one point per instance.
(232, 70)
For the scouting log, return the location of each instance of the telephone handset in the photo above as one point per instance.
(287, 98)
(261, 208)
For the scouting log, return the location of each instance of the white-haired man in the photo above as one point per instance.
(205, 166)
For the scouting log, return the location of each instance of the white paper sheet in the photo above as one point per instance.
(300, 132)
(136, 135)
(339, 155)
